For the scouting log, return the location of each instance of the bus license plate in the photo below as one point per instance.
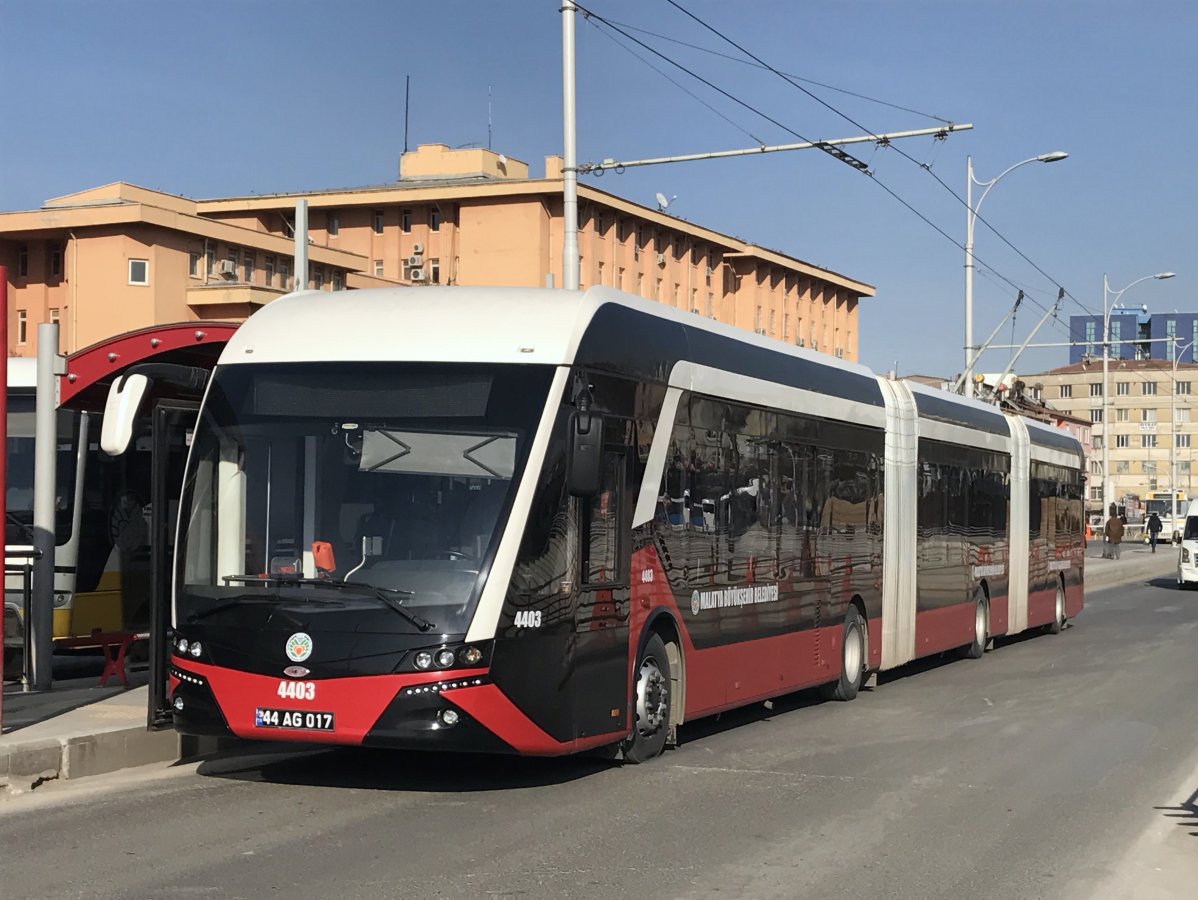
(301, 719)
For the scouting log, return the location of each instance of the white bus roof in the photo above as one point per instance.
(22, 372)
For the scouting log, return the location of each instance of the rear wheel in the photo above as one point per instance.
(852, 659)
(981, 626)
(1058, 616)
(653, 700)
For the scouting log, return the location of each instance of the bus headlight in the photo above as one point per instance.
(181, 645)
(470, 656)
(448, 717)
(1185, 555)
(61, 600)
(445, 658)
(423, 660)
(196, 649)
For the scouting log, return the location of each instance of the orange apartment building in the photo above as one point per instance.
(119, 257)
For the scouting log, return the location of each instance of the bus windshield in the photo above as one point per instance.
(18, 488)
(390, 475)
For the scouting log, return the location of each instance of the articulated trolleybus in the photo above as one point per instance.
(545, 521)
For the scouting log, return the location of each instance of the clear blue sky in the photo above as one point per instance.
(220, 97)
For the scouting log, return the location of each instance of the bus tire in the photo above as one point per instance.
(981, 627)
(852, 659)
(1057, 625)
(652, 699)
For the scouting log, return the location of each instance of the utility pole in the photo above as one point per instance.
(569, 153)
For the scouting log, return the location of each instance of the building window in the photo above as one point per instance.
(620, 278)
(338, 280)
(1183, 466)
(139, 271)
(1066, 391)
(1171, 334)
(247, 268)
(405, 221)
(54, 321)
(1115, 334)
(1182, 387)
(1183, 441)
(22, 326)
(1149, 388)
(710, 271)
(378, 268)
(640, 284)
(23, 261)
(1181, 416)
(1096, 494)
(434, 271)
(1122, 467)
(1122, 415)
(268, 269)
(1149, 467)
(193, 264)
(1122, 388)
(1091, 334)
(209, 261)
(334, 223)
(285, 274)
(317, 277)
(1147, 441)
(1148, 415)
(231, 259)
(1122, 441)
(657, 290)
(1096, 415)
(55, 261)
(434, 219)
(1098, 442)
(1096, 389)
(377, 221)
(1095, 467)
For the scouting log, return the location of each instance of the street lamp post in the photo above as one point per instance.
(1106, 353)
(1178, 352)
(971, 215)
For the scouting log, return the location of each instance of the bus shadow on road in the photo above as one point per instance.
(399, 770)
(1186, 812)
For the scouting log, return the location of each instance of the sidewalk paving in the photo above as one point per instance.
(68, 733)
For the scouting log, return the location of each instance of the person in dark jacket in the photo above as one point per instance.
(1154, 530)
(1114, 534)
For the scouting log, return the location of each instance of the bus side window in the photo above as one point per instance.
(600, 525)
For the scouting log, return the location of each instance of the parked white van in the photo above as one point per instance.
(1187, 556)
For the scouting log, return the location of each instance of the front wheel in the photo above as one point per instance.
(1057, 625)
(653, 689)
(852, 659)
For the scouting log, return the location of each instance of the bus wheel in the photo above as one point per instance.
(981, 625)
(1058, 615)
(652, 704)
(852, 660)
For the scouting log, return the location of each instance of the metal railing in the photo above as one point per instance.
(25, 570)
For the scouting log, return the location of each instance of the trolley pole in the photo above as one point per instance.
(45, 449)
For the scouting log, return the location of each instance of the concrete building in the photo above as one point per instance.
(1151, 421)
(119, 257)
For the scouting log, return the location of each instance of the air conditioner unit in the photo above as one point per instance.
(415, 261)
(228, 267)
(840, 353)
(416, 275)
(417, 249)
(759, 330)
(661, 259)
(801, 342)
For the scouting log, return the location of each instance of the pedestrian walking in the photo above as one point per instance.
(1114, 535)
(1154, 529)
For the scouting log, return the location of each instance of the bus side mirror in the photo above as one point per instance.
(584, 454)
(120, 412)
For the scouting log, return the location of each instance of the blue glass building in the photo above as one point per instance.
(1135, 335)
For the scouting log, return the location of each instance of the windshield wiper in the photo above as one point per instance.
(383, 595)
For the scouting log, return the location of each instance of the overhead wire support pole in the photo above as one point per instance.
(942, 131)
(570, 264)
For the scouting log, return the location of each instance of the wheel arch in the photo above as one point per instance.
(662, 623)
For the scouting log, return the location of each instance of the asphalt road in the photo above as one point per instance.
(1038, 771)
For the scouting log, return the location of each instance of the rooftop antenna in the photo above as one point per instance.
(662, 202)
(488, 117)
(407, 96)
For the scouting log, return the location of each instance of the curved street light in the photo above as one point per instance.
(1106, 354)
(971, 215)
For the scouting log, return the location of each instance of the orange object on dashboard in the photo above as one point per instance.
(322, 556)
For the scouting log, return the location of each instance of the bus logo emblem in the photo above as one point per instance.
(299, 647)
(296, 671)
(695, 603)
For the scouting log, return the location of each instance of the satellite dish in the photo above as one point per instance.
(502, 160)
(662, 202)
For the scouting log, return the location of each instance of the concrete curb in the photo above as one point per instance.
(1101, 574)
(25, 766)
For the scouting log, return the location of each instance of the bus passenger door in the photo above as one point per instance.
(173, 424)
(600, 670)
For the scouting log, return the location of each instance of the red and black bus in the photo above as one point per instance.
(545, 521)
